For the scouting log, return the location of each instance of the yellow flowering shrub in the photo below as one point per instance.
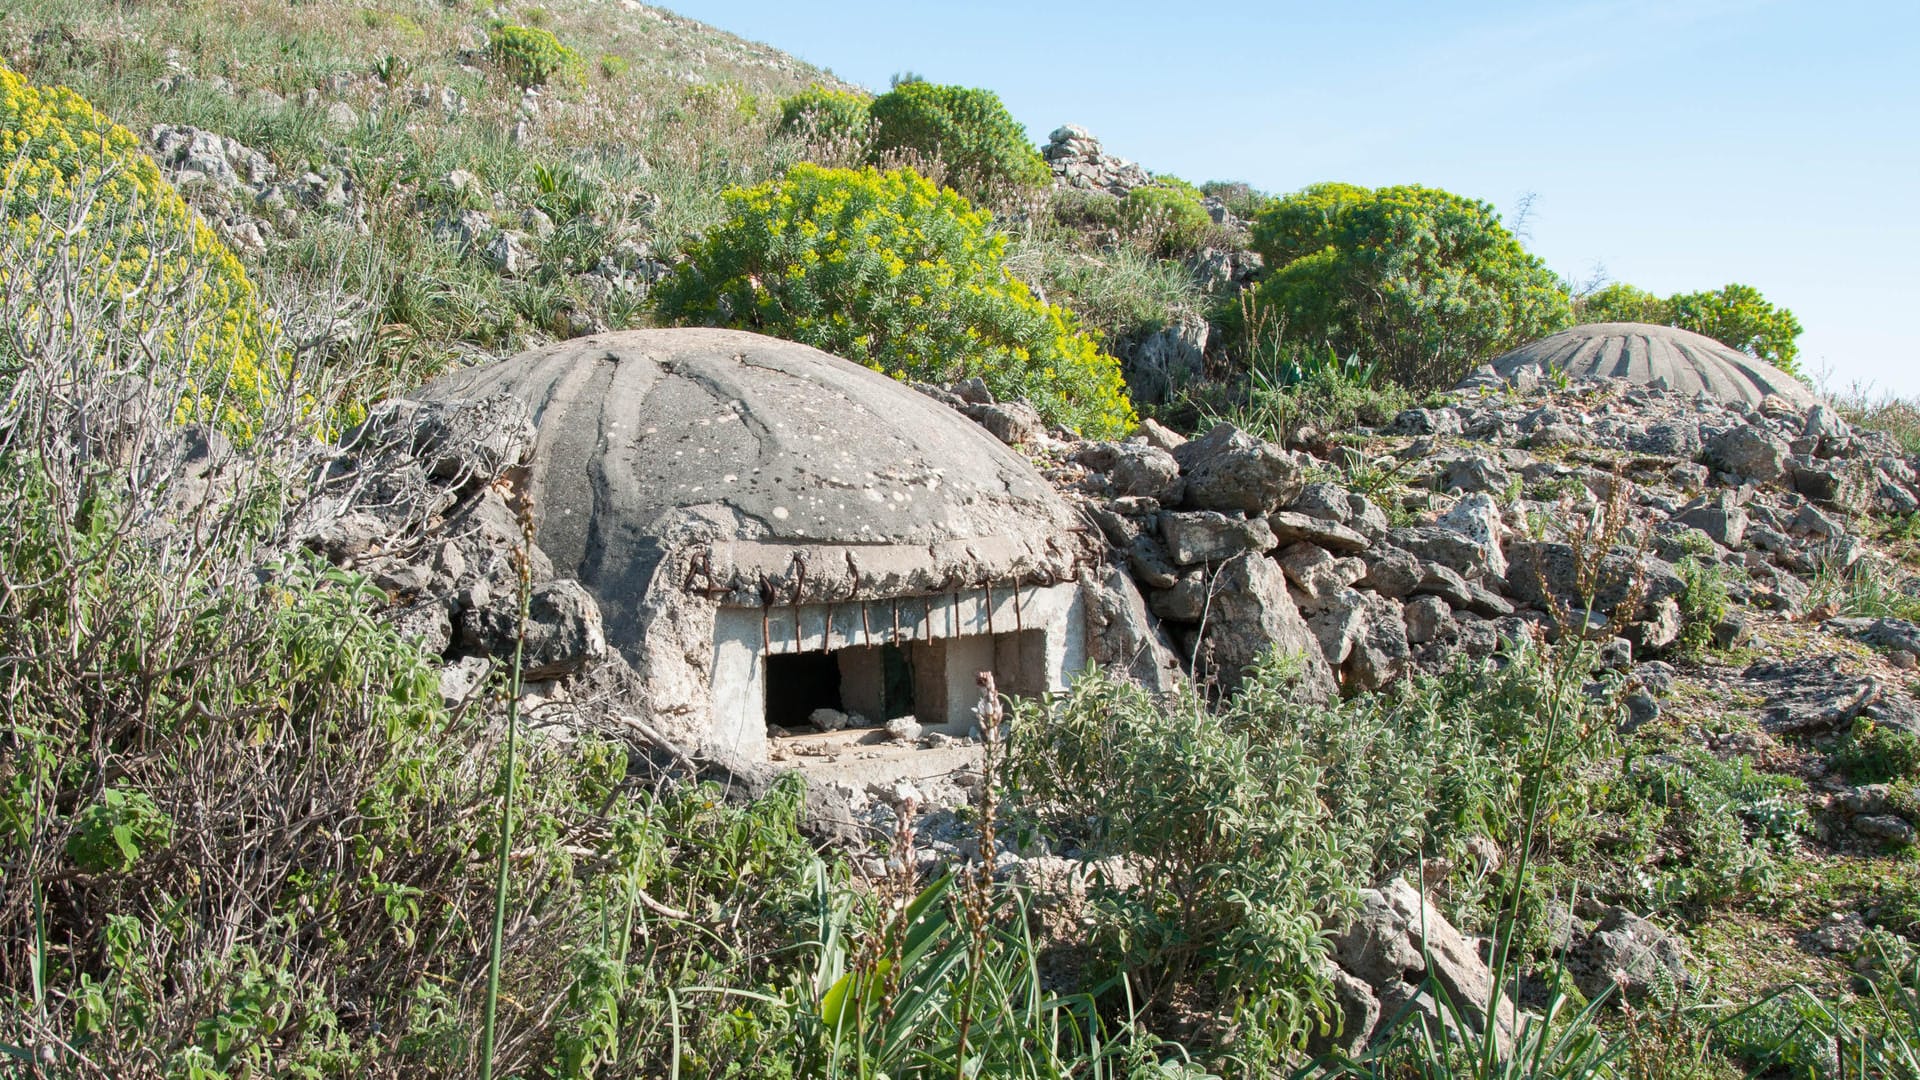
(886, 269)
(82, 204)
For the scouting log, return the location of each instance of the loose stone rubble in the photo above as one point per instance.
(1078, 161)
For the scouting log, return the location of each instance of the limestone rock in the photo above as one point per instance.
(1628, 954)
(1750, 452)
(1167, 360)
(563, 634)
(1254, 615)
(1477, 518)
(1121, 635)
(1390, 942)
(1205, 536)
(1228, 469)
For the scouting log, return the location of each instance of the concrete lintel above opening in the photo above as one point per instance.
(1032, 645)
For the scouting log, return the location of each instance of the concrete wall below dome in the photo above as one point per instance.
(1033, 639)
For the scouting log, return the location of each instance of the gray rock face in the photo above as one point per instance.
(1253, 615)
(1545, 576)
(1228, 469)
(1122, 637)
(1389, 944)
(1290, 527)
(1477, 518)
(564, 632)
(460, 443)
(1166, 360)
(1449, 546)
(1428, 619)
(1206, 536)
(1657, 355)
(1317, 576)
(1718, 515)
(1135, 468)
(1358, 1014)
(1750, 452)
(1628, 954)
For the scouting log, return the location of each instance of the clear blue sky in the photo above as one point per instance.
(1680, 144)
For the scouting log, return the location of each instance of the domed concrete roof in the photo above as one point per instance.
(1647, 354)
(764, 457)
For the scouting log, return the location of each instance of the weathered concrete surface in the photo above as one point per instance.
(791, 470)
(1646, 354)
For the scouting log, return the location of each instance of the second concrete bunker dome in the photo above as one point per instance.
(1667, 355)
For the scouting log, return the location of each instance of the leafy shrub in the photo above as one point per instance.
(1291, 388)
(985, 151)
(1738, 316)
(1235, 864)
(613, 65)
(826, 114)
(1423, 281)
(1729, 824)
(1249, 826)
(1735, 315)
(891, 272)
(1703, 602)
(1169, 214)
(87, 211)
(529, 55)
(1877, 753)
(1621, 302)
(112, 833)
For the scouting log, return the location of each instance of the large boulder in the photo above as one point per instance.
(1252, 615)
(563, 629)
(1548, 576)
(1397, 940)
(1627, 954)
(1121, 635)
(1228, 469)
(1477, 518)
(1749, 451)
(1208, 536)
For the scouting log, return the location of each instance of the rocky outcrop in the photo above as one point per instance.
(1078, 161)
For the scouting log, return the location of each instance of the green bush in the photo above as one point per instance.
(1621, 302)
(1169, 214)
(1728, 825)
(111, 834)
(1876, 753)
(87, 211)
(1735, 315)
(613, 65)
(1704, 601)
(1235, 862)
(529, 55)
(889, 271)
(1248, 826)
(820, 113)
(985, 151)
(1738, 316)
(1424, 282)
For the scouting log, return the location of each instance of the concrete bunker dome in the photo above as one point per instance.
(1650, 355)
(768, 529)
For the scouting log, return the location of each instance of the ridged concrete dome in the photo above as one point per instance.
(767, 465)
(1654, 355)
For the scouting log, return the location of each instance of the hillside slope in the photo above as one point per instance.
(382, 149)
